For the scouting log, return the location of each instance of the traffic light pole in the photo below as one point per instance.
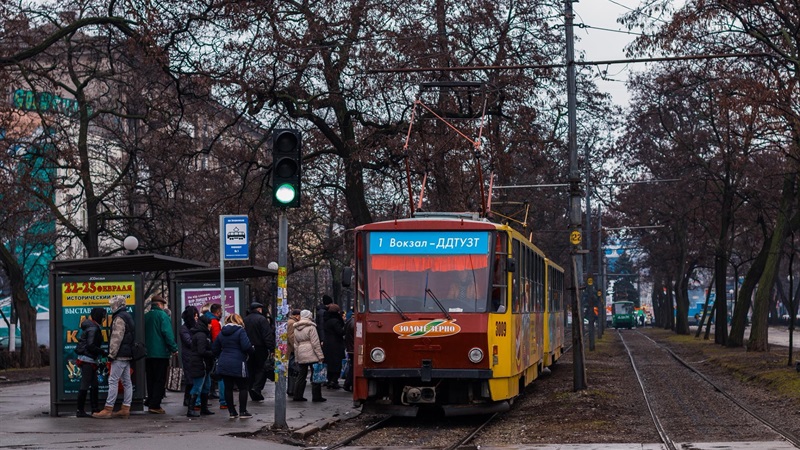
(281, 317)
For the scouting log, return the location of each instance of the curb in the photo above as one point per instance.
(319, 425)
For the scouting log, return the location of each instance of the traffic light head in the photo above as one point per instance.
(286, 168)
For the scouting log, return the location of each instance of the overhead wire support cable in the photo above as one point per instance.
(577, 63)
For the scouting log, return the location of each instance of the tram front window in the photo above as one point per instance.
(414, 282)
(623, 308)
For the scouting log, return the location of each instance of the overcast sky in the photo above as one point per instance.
(601, 44)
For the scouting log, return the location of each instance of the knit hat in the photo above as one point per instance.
(327, 300)
(117, 302)
(305, 314)
(334, 308)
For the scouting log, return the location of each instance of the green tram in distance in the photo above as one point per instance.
(623, 315)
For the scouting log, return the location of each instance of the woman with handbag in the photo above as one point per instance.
(231, 348)
(307, 351)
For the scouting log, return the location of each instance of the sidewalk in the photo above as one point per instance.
(776, 335)
(25, 422)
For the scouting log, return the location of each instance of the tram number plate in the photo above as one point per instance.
(500, 329)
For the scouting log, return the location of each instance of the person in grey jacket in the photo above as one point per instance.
(120, 352)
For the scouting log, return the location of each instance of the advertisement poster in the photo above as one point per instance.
(78, 296)
(199, 296)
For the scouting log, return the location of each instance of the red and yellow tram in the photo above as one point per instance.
(452, 312)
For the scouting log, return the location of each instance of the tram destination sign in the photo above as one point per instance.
(429, 242)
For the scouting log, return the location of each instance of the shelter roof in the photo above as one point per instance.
(126, 263)
(231, 273)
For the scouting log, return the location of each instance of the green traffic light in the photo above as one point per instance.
(285, 193)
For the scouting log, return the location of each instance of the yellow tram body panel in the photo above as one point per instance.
(516, 348)
(554, 323)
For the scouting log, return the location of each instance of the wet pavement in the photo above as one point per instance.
(25, 422)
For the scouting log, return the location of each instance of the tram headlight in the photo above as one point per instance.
(476, 355)
(377, 355)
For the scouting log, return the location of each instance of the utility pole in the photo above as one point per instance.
(281, 313)
(579, 369)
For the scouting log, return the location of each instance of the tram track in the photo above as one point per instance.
(710, 414)
(465, 432)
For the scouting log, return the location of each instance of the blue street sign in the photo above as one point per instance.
(234, 228)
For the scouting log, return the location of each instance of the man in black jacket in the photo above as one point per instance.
(262, 337)
(320, 319)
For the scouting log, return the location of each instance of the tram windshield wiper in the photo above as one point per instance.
(438, 303)
(433, 296)
(391, 300)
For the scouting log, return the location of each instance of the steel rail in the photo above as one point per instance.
(785, 434)
(660, 428)
(472, 434)
(379, 424)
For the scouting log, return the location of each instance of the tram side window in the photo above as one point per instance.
(526, 304)
(539, 279)
(500, 274)
(519, 276)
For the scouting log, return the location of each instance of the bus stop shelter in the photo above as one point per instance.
(198, 287)
(77, 286)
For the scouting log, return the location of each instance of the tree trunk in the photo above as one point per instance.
(669, 322)
(29, 353)
(721, 256)
(759, 331)
(743, 301)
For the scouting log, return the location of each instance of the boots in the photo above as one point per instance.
(191, 412)
(123, 413)
(316, 393)
(204, 406)
(81, 403)
(105, 413)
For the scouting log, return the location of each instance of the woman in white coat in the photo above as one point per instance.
(307, 351)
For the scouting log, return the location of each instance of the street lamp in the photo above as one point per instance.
(130, 243)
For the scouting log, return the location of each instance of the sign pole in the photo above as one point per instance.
(222, 266)
(233, 244)
(281, 317)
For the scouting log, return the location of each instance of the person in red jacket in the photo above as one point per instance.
(214, 314)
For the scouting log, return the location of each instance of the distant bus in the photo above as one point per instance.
(696, 312)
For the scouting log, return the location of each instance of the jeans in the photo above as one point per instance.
(120, 370)
(201, 385)
(221, 387)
